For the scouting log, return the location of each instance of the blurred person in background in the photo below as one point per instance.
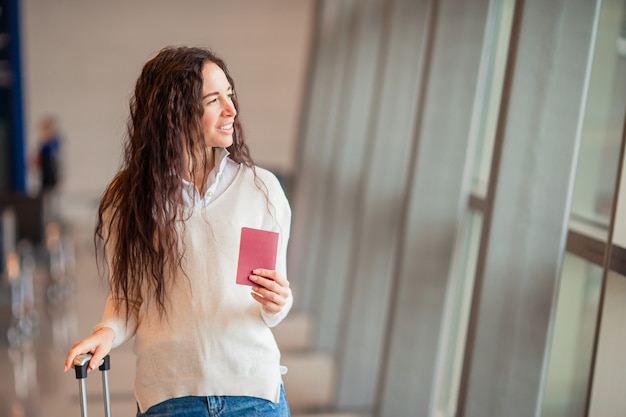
(48, 155)
(48, 161)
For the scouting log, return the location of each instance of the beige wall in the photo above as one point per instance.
(81, 60)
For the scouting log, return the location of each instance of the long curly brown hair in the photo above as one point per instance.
(138, 211)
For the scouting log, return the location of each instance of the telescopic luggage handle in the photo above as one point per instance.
(81, 363)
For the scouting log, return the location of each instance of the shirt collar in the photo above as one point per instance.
(221, 159)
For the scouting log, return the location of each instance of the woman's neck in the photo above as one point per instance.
(200, 176)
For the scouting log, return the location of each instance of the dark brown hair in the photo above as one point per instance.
(138, 211)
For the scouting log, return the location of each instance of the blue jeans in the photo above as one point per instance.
(219, 406)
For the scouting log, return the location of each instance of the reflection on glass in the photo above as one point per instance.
(619, 228)
(457, 308)
(603, 122)
(489, 91)
(572, 339)
(607, 396)
(24, 370)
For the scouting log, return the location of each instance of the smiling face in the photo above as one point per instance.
(219, 110)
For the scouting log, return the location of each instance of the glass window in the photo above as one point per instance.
(619, 228)
(573, 337)
(569, 366)
(458, 301)
(603, 123)
(463, 270)
(607, 396)
(489, 91)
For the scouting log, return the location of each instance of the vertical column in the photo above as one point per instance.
(316, 150)
(432, 215)
(12, 159)
(350, 148)
(526, 227)
(380, 204)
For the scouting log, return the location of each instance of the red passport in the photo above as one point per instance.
(257, 249)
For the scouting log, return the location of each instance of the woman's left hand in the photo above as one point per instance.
(271, 289)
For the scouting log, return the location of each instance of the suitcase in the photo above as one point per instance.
(80, 366)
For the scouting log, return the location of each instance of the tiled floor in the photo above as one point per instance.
(33, 383)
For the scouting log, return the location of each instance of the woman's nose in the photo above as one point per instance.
(229, 108)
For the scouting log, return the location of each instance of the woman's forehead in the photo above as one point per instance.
(214, 78)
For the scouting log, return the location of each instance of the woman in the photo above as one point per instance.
(169, 226)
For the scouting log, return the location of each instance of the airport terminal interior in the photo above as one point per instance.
(454, 170)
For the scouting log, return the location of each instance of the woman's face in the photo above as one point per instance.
(219, 110)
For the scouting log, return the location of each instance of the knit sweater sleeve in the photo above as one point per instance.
(272, 319)
(114, 315)
(282, 213)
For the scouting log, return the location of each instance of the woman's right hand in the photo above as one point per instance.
(99, 344)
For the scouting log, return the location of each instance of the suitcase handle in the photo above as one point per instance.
(81, 363)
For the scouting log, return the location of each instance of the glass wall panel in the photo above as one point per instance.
(607, 398)
(619, 228)
(573, 337)
(567, 381)
(458, 302)
(607, 394)
(489, 90)
(482, 136)
(602, 126)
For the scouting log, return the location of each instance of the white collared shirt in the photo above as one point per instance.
(220, 177)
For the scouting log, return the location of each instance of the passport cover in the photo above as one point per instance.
(257, 249)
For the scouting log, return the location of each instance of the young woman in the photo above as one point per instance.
(169, 227)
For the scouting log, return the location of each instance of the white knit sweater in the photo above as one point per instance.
(216, 339)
